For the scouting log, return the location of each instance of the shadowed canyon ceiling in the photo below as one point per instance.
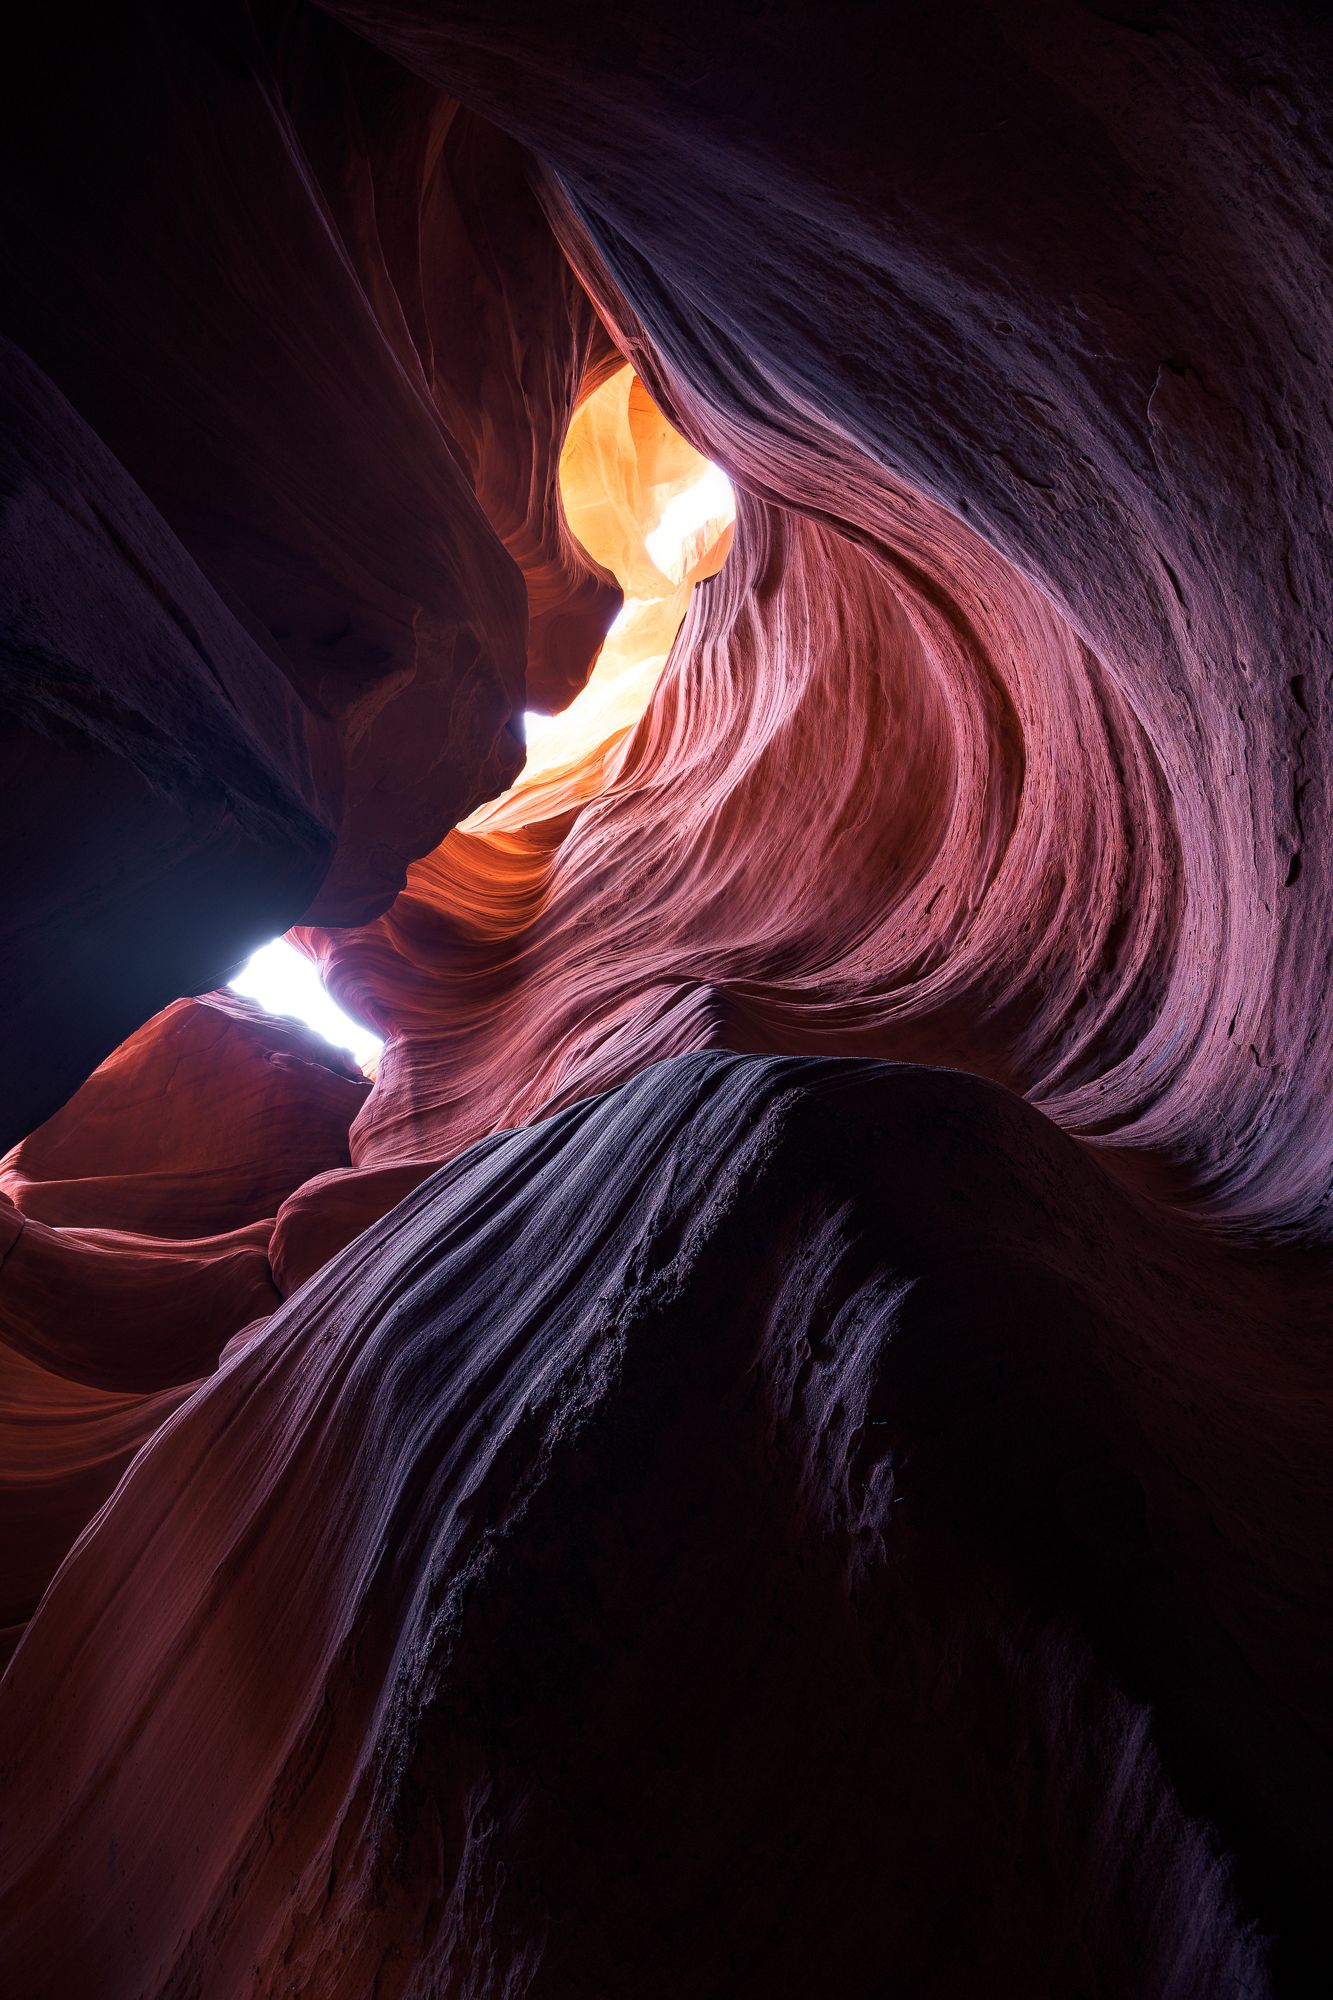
(781, 1442)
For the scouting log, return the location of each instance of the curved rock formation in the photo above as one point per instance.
(135, 1231)
(209, 1116)
(784, 1445)
(1013, 257)
(579, 1432)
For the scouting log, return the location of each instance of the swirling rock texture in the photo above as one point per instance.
(784, 1445)
(135, 1228)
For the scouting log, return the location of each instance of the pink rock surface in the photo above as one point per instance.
(556, 1597)
(134, 1242)
(794, 1456)
(207, 1117)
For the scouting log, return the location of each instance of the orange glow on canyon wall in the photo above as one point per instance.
(783, 1444)
(646, 506)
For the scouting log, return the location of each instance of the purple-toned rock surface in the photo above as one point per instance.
(784, 1446)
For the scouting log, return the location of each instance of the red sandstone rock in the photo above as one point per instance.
(776, 1526)
(328, 1212)
(1062, 274)
(207, 1117)
(138, 1241)
(120, 1309)
(134, 1243)
(63, 1448)
(555, 1597)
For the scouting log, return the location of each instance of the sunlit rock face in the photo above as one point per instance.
(658, 516)
(783, 1446)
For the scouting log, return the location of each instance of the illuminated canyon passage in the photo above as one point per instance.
(749, 587)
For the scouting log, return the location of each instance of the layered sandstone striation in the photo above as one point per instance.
(637, 1614)
(783, 1446)
(135, 1231)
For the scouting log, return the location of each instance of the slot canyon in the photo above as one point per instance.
(751, 586)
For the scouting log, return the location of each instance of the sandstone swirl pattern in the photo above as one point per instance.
(781, 1445)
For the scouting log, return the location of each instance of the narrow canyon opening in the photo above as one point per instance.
(642, 502)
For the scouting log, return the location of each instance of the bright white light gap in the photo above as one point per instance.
(284, 981)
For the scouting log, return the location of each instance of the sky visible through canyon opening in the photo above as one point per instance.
(285, 982)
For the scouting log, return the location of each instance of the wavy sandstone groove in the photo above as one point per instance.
(783, 1445)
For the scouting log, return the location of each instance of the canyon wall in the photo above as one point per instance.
(783, 1443)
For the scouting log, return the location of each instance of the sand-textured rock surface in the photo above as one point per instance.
(779, 1441)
